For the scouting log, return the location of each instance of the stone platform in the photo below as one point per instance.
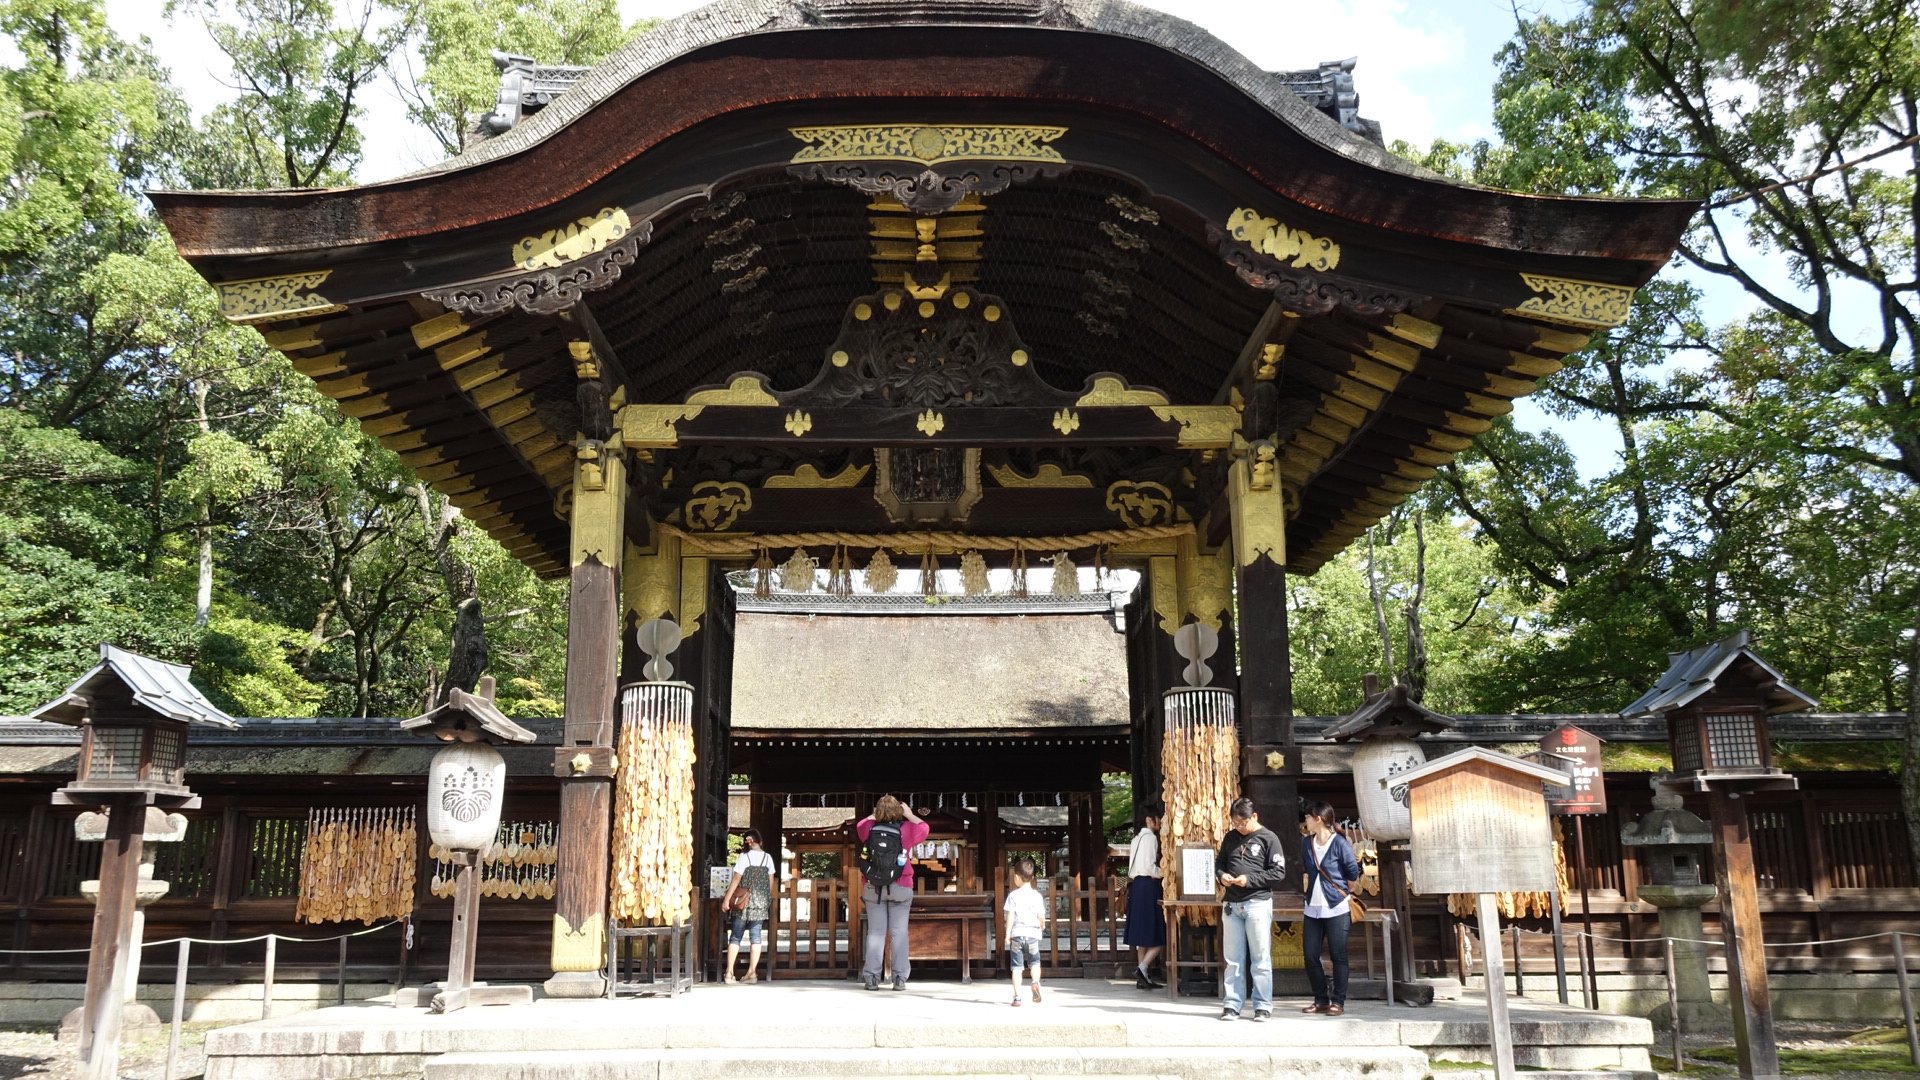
(835, 1029)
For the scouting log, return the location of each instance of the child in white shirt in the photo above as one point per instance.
(1026, 917)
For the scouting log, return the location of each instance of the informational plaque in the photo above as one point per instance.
(1579, 751)
(1196, 873)
(1480, 827)
(718, 877)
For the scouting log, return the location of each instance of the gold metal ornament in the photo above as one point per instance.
(930, 423)
(798, 423)
(808, 476)
(1047, 475)
(1574, 302)
(1113, 390)
(574, 240)
(716, 505)
(1066, 421)
(1296, 247)
(1141, 503)
(270, 299)
(928, 144)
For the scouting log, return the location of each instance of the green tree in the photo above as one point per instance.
(1799, 127)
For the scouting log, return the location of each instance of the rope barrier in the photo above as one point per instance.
(215, 941)
(1719, 943)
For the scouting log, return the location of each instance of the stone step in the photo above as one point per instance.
(1553, 1074)
(754, 1063)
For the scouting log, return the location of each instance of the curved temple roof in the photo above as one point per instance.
(1131, 203)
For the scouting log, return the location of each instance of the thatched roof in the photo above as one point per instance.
(885, 673)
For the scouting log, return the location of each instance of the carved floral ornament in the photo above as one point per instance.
(928, 168)
(270, 299)
(1587, 304)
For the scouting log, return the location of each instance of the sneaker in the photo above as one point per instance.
(899, 983)
(1261, 1016)
(1229, 1014)
(1016, 1001)
(870, 982)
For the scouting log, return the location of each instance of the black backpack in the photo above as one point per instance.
(881, 857)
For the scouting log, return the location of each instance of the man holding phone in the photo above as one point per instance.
(1250, 863)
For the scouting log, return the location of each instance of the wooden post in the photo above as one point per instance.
(1559, 946)
(266, 986)
(1740, 925)
(1673, 1005)
(1500, 1030)
(179, 1007)
(1906, 998)
(584, 761)
(112, 940)
(1590, 977)
(1260, 622)
(466, 915)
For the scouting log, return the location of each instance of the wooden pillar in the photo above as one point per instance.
(584, 762)
(1270, 777)
(1746, 956)
(112, 939)
(766, 813)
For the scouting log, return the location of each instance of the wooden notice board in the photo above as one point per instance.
(1586, 791)
(1478, 826)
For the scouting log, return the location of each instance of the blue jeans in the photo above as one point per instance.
(1248, 927)
(745, 928)
(1331, 934)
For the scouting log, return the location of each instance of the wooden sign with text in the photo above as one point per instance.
(1585, 791)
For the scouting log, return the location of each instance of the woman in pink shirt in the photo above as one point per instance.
(888, 889)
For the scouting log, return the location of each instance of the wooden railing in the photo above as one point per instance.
(815, 926)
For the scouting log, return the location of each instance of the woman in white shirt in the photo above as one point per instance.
(752, 874)
(1332, 871)
(1146, 925)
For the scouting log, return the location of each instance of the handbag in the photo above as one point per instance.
(738, 900)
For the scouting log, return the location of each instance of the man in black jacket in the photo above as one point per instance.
(1250, 863)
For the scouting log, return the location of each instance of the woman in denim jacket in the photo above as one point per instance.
(1332, 870)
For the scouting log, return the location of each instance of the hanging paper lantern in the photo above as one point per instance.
(1384, 812)
(464, 785)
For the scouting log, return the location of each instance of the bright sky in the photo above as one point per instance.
(1425, 71)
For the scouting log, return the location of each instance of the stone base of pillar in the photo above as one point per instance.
(1696, 1017)
(576, 984)
(138, 1015)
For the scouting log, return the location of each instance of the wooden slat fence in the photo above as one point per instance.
(1862, 848)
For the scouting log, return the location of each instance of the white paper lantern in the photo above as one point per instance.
(464, 787)
(1383, 807)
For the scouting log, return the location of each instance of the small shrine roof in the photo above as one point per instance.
(1693, 673)
(155, 684)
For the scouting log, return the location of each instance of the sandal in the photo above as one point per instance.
(1036, 995)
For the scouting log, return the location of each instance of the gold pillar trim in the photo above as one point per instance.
(584, 949)
(1259, 516)
(1205, 583)
(1113, 390)
(1163, 577)
(1572, 302)
(1269, 237)
(808, 476)
(1047, 475)
(650, 580)
(598, 520)
(1202, 426)
(928, 144)
(1269, 366)
(693, 595)
(270, 299)
(573, 241)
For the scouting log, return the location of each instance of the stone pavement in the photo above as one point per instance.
(811, 1028)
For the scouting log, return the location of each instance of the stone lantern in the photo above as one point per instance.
(1675, 846)
(1716, 700)
(133, 713)
(466, 783)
